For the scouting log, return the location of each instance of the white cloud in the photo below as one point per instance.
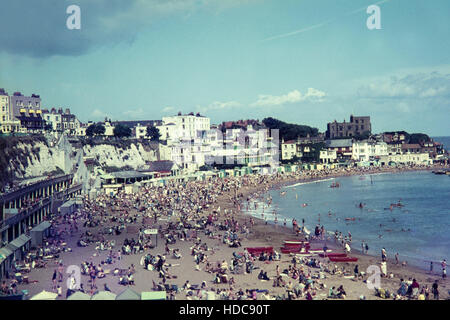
(134, 114)
(413, 86)
(217, 105)
(98, 114)
(167, 109)
(291, 97)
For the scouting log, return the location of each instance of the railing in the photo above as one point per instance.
(25, 213)
(18, 193)
(39, 205)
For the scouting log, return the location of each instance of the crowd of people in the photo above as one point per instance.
(205, 215)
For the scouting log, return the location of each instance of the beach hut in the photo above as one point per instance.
(104, 295)
(45, 295)
(79, 296)
(128, 294)
(6, 259)
(153, 295)
(39, 232)
(19, 246)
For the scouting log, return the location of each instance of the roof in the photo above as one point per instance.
(19, 242)
(5, 252)
(153, 295)
(143, 123)
(45, 295)
(104, 295)
(161, 166)
(128, 294)
(289, 142)
(128, 174)
(44, 225)
(79, 296)
(411, 146)
(68, 204)
(339, 143)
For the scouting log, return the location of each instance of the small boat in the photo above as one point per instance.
(335, 185)
(295, 242)
(259, 250)
(335, 254)
(290, 250)
(350, 219)
(343, 259)
(320, 251)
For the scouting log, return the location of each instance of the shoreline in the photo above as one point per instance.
(284, 232)
(230, 201)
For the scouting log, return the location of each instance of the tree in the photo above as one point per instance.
(153, 133)
(122, 131)
(99, 129)
(290, 131)
(363, 136)
(90, 130)
(419, 138)
(95, 129)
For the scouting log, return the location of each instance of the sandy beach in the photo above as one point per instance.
(221, 202)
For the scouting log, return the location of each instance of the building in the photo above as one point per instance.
(109, 128)
(342, 147)
(70, 122)
(24, 208)
(406, 159)
(243, 146)
(52, 119)
(7, 123)
(328, 156)
(60, 121)
(366, 150)
(290, 149)
(187, 126)
(395, 137)
(356, 126)
(27, 110)
(139, 128)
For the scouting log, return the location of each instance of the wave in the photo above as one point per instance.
(308, 182)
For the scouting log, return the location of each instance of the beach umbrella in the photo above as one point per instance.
(44, 295)
(104, 295)
(79, 296)
(128, 294)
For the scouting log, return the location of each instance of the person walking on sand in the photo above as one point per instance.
(54, 280)
(435, 290)
(444, 269)
(383, 254)
(396, 259)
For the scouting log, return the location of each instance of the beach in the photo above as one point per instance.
(208, 224)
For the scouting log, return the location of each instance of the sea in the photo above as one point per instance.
(418, 230)
(443, 140)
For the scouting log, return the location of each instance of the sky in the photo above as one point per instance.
(303, 61)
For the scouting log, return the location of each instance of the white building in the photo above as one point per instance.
(53, 118)
(368, 150)
(243, 147)
(407, 159)
(140, 131)
(328, 156)
(7, 122)
(109, 129)
(186, 126)
(288, 149)
(186, 137)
